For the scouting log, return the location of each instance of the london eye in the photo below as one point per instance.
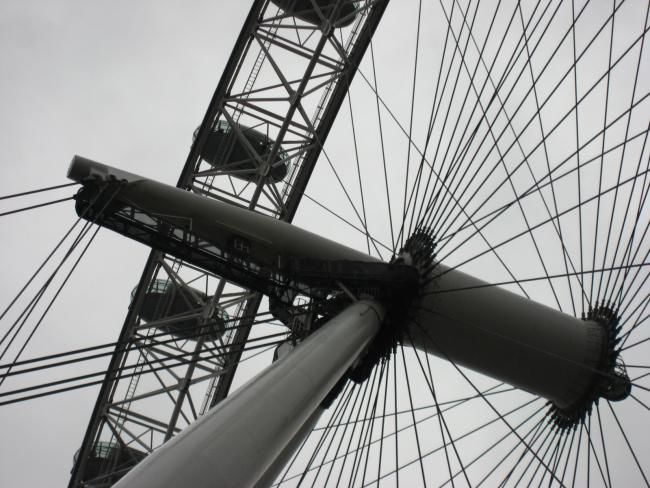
(408, 246)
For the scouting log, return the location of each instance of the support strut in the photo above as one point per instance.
(236, 443)
(508, 337)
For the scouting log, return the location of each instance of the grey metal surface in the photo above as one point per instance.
(273, 472)
(229, 446)
(458, 317)
(507, 336)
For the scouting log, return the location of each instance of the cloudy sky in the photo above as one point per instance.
(119, 82)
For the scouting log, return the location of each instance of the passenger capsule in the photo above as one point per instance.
(110, 457)
(225, 151)
(304, 10)
(165, 300)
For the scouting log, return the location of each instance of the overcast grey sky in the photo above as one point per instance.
(119, 82)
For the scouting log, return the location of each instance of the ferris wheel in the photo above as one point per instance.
(408, 245)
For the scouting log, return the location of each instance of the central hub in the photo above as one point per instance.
(417, 253)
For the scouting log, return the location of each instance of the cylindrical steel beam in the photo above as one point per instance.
(215, 221)
(282, 459)
(237, 442)
(503, 335)
(458, 317)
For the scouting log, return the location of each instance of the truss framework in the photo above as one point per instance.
(285, 79)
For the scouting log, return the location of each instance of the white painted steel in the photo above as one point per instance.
(237, 443)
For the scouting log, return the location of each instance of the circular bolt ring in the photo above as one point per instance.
(610, 382)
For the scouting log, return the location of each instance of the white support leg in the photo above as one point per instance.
(236, 443)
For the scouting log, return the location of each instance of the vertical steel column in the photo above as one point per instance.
(237, 442)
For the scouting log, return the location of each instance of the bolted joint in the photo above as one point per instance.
(609, 379)
(418, 253)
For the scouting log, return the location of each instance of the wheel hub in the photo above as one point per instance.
(418, 252)
(611, 381)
